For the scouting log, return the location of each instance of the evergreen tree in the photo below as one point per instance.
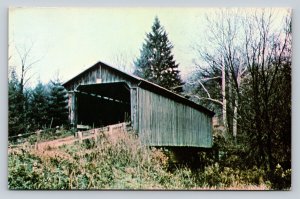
(156, 62)
(15, 106)
(18, 102)
(38, 106)
(58, 104)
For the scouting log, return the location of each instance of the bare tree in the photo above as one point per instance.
(224, 33)
(235, 38)
(121, 61)
(208, 96)
(26, 64)
(20, 65)
(268, 53)
(256, 54)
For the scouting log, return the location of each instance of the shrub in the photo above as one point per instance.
(222, 177)
(118, 161)
(281, 178)
(112, 162)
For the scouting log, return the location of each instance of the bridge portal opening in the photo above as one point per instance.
(103, 104)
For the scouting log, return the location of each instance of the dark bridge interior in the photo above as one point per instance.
(103, 104)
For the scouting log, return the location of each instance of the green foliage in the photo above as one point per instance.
(215, 175)
(58, 104)
(104, 164)
(16, 114)
(280, 178)
(118, 162)
(233, 166)
(156, 62)
(38, 106)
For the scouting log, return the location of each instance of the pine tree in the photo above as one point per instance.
(58, 104)
(15, 106)
(38, 106)
(156, 62)
(18, 102)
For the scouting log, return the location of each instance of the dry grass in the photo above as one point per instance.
(261, 187)
(114, 161)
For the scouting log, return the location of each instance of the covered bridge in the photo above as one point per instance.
(103, 95)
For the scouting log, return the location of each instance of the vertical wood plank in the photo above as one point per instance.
(169, 123)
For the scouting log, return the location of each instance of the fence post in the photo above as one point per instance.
(36, 146)
(95, 135)
(38, 136)
(79, 133)
(110, 129)
(124, 127)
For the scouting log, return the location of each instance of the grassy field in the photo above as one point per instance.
(117, 162)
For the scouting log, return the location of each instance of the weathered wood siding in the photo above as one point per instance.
(99, 74)
(165, 122)
(133, 106)
(160, 117)
(102, 74)
(72, 108)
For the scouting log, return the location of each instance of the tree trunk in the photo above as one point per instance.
(236, 103)
(234, 122)
(224, 109)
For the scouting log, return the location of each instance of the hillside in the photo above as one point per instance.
(116, 162)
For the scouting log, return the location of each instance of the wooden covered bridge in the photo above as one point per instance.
(103, 95)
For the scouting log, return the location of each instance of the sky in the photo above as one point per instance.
(65, 41)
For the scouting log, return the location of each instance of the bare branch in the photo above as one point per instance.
(29, 78)
(208, 98)
(211, 78)
(204, 89)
